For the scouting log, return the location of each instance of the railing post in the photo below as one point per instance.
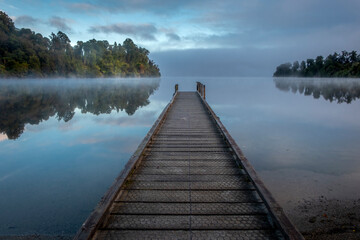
(204, 92)
(176, 88)
(200, 88)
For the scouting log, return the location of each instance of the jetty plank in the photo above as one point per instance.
(188, 180)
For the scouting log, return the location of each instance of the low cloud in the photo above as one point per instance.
(26, 20)
(60, 23)
(141, 31)
(227, 62)
(161, 7)
(173, 36)
(82, 7)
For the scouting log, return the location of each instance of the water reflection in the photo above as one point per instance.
(341, 90)
(32, 102)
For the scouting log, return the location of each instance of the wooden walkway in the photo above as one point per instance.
(188, 180)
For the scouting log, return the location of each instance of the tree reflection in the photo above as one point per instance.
(342, 90)
(33, 102)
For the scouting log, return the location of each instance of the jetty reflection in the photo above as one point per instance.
(339, 90)
(32, 102)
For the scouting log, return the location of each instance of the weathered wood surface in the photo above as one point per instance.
(190, 182)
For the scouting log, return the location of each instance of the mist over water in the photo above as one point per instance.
(62, 142)
(35, 101)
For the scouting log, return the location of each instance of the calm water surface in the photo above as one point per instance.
(62, 142)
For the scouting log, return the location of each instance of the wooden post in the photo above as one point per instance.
(200, 88)
(176, 88)
(204, 91)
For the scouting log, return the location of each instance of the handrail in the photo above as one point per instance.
(276, 212)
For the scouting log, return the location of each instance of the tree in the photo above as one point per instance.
(283, 70)
(24, 52)
(345, 64)
(6, 23)
(295, 68)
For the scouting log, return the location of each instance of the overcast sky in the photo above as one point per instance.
(203, 38)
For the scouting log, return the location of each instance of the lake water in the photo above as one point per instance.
(62, 142)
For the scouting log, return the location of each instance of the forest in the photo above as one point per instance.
(345, 64)
(24, 53)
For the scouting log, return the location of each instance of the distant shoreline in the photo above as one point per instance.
(344, 65)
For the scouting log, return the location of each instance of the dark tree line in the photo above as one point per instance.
(23, 104)
(25, 53)
(346, 64)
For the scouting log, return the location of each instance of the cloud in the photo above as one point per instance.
(141, 31)
(82, 7)
(60, 23)
(26, 20)
(173, 36)
(296, 29)
(279, 14)
(225, 58)
(236, 23)
(160, 7)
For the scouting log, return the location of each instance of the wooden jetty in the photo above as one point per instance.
(188, 180)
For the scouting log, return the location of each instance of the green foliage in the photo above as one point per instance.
(284, 70)
(25, 53)
(346, 64)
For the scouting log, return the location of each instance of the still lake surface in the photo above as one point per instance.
(63, 141)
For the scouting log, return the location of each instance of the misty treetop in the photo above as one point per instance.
(346, 64)
(24, 53)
